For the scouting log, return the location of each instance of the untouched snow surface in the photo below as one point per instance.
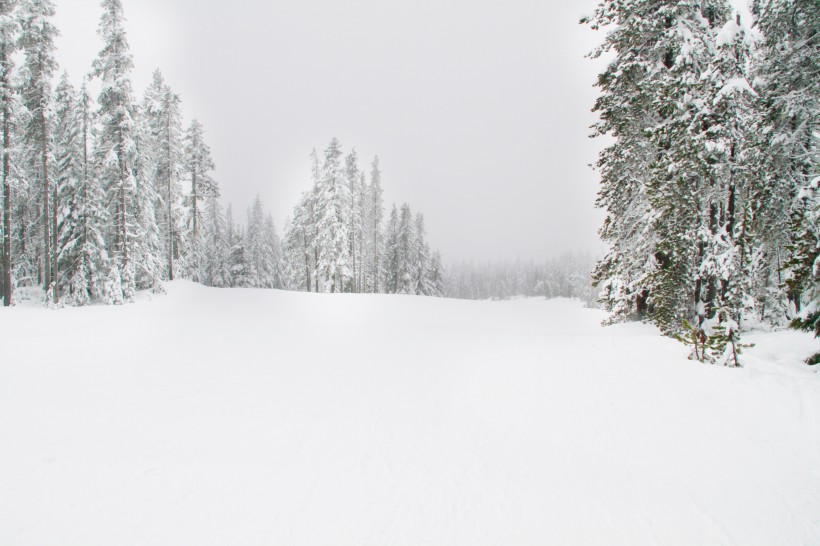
(243, 417)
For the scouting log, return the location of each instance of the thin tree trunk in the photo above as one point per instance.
(170, 208)
(54, 262)
(47, 271)
(307, 261)
(194, 202)
(123, 227)
(375, 253)
(6, 182)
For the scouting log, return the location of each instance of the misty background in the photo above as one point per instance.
(480, 115)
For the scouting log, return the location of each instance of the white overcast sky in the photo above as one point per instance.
(479, 111)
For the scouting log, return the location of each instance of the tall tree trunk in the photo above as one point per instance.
(375, 253)
(307, 261)
(122, 246)
(170, 208)
(194, 199)
(54, 245)
(4, 66)
(47, 271)
(316, 261)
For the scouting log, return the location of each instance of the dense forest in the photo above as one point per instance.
(102, 198)
(337, 240)
(710, 183)
(105, 197)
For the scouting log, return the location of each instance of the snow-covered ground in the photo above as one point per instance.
(244, 417)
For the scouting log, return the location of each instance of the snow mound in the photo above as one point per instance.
(251, 417)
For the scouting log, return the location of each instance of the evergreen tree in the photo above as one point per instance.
(116, 147)
(147, 264)
(421, 266)
(299, 245)
(81, 246)
(256, 247)
(273, 256)
(162, 115)
(374, 235)
(39, 65)
(355, 215)
(237, 257)
(406, 272)
(675, 182)
(332, 228)
(199, 167)
(216, 269)
(392, 254)
(790, 61)
(437, 276)
(8, 39)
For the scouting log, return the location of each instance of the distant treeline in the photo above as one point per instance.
(567, 276)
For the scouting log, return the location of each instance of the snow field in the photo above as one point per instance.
(252, 417)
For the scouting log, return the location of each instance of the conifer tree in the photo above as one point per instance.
(790, 60)
(8, 39)
(332, 228)
(375, 217)
(674, 182)
(162, 116)
(406, 240)
(217, 271)
(392, 253)
(421, 266)
(273, 256)
(81, 246)
(116, 147)
(39, 65)
(354, 215)
(437, 276)
(198, 168)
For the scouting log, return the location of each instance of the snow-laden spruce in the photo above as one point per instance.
(703, 180)
(336, 240)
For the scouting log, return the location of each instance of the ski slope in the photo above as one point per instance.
(242, 417)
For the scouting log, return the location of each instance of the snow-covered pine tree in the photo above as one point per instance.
(437, 276)
(147, 257)
(361, 234)
(313, 208)
(406, 272)
(673, 99)
(332, 226)
(273, 256)
(392, 253)
(81, 254)
(255, 246)
(790, 61)
(374, 235)
(8, 41)
(625, 111)
(299, 245)
(39, 65)
(421, 266)
(216, 268)
(354, 219)
(199, 167)
(162, 117)
(116, 147)
(729, 187)
(237, 258)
